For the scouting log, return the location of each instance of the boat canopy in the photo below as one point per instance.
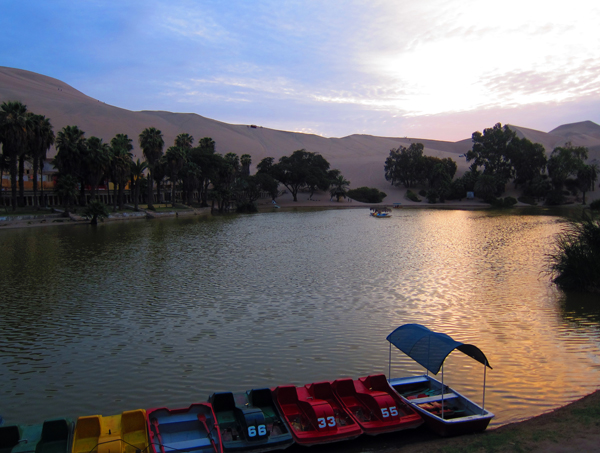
(429, 348)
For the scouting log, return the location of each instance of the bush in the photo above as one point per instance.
(555, 198)
(528, 200)
(412, 196)
(96, 210)
(422, 193)
(575, 262)
(246, 208)
(432, 196)
(366, 195)
(595, 205)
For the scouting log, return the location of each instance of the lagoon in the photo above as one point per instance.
(142, 314)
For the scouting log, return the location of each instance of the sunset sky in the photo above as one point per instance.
(419, 68)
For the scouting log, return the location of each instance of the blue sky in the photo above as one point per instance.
(419, 68)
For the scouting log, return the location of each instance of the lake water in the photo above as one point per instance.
(153, 313)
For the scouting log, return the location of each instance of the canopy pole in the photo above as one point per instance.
(484, 373)
(390, 364)
(442, 390)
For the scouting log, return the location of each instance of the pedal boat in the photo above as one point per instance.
(375, 406)
(121, 433)
(250, 421)
(314, 415)
(52, 436)
(192, 429)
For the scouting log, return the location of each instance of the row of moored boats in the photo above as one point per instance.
(266, 419)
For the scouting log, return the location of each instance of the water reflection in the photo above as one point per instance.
(148, 313)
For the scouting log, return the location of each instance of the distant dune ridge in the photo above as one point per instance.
(359, 157)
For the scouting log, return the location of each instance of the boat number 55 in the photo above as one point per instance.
(262, 430)
(387, 412)
(330, 421)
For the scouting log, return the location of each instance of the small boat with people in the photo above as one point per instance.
(249, 421)
(314, 415)
(375, 406)
(445, 411)
(380, 212)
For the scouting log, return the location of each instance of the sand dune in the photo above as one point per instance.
(359, 157)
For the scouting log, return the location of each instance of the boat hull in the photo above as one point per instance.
(250, 421)
(190, 430)
(375, 406)
(447, 412)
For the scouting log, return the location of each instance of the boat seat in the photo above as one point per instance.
(186, 445)
(430, 399)
(261, 397)
(321, 390)
(9, 437)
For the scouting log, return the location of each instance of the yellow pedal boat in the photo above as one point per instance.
(121, 433)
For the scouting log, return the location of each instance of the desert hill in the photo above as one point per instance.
(359, 157)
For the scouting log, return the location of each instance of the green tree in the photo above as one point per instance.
(493, 150)
(301, 169)
(136, 177)
(184, 141)
(96, 162)
(406, 165)
(66, 189)
(585, 178)
(245, 161)
(120, 165)
(175, 158)
(41, 139)
(152, 143)
(95, 210)
(486, 187)
(529, 161)
(71, 148)
(14, 123)
(339, 187)
(206, 161)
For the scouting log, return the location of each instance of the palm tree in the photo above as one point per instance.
(120, 164)
(69, 160)
(339, 187)
(137, 174)
(42, 138)
(245, 160)
(152, 143)
(174, 158)
(66, 189)
(13, 134)
(184, 141)
(97, 162)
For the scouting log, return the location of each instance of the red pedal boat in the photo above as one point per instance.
(375, 406)
(314, 415)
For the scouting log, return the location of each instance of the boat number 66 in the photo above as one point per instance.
(262, 430)
(330, 421)
(387, 412)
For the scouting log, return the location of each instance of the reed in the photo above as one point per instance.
(574, 264)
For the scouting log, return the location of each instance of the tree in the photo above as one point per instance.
(405, 165)
(184, 141)
(120, 165)
(151, 142)
(529, 161)
(245, 161)
(585, 177)
(69, 160)
(95, 210)
(301, 169)
(41, 139)
(565, 161)
(174, 159)
(14, 123)
(206, 161)
(66, 189)
(339, 187)
(136, 177)
(493, 150)
(96, 162)
(486, 187)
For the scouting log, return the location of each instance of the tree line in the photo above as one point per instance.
(497, 157)
(83, 162)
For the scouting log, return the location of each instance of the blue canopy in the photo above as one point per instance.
(429, 348)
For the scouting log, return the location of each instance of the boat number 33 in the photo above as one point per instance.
(260, 429)
(387, 412)
(323, 422)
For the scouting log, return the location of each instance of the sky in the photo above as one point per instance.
(419, 68)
